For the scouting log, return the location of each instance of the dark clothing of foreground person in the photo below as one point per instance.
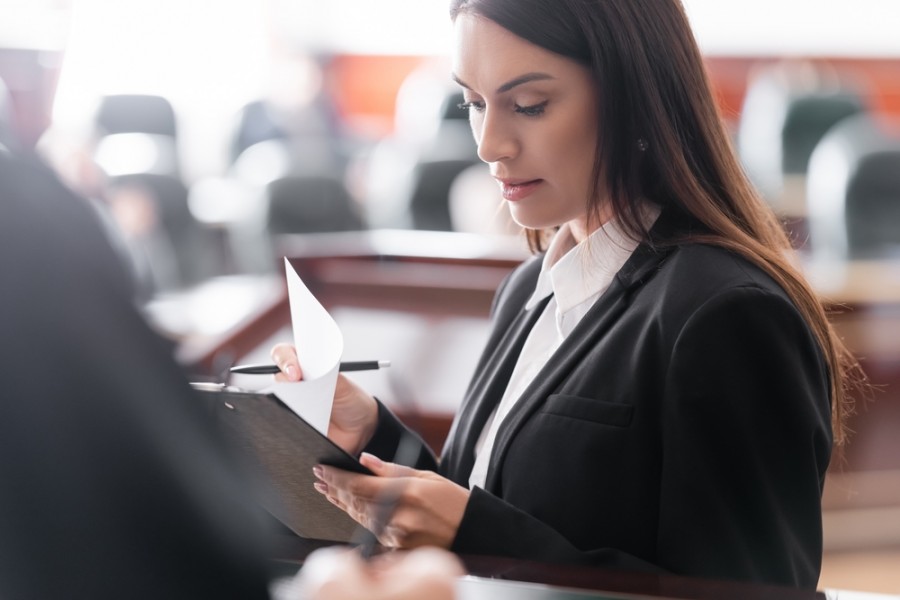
(112, 484)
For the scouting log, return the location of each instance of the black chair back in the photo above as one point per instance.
(310, 204)
(854, 190)
(136, 113)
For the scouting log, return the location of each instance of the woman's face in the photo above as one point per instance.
(533, 114)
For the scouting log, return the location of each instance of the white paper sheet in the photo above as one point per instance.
(319, 344)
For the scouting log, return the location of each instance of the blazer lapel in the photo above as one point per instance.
(605, 312)
(484, 395)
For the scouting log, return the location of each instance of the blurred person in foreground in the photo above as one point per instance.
(114, 482)
(661, 390)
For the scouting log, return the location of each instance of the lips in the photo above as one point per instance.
(514, 190)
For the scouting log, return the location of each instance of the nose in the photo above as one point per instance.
(496, 140)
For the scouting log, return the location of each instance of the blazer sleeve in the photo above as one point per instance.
(493, 527)
(387, 438)
(746, 442)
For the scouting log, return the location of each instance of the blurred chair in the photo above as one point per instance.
(296, 105)
(429, 204)
(126, 153)
(310, 204)
(854, 191)
(786, 111)
(136, 133)
(452, 139)
(808, 118)
(136, 113)
(255, 123)
(272, 179)
(448, 153)
(406, 179)
(451, 109)
(137, 148)
(272, 159)
(153, 215)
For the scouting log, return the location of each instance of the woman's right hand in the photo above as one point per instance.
(354, 414)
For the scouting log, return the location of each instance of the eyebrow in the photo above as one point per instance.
(526, 78)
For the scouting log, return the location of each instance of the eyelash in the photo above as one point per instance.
(534, 110)
(470, 106)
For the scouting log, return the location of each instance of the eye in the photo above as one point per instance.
(534, 110)
(470, 106)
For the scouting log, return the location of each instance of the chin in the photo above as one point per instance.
(534, 223)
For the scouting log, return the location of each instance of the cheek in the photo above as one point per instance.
(574, 148)
(582, 134)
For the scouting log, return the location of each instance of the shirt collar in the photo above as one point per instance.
(574, 272)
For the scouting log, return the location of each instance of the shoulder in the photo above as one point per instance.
(699, 279)
(45, 220)
(38, 209)
(701, 270)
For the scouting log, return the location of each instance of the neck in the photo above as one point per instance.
(585, 225)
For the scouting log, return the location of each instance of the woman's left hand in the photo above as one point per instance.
(406, 507)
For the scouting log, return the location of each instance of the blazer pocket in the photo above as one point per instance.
(589, 409)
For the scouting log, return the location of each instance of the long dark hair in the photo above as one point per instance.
(664, 141)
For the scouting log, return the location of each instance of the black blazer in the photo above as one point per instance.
(683, 426)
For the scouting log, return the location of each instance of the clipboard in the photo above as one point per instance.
(281, 447)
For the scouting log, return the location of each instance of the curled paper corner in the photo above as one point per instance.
(320, 345)
(317, 337)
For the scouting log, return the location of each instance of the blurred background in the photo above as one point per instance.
(201, 129)
(216, 137)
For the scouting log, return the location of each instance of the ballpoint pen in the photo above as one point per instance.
(365, 365)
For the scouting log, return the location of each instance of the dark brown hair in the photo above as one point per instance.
(664, 141)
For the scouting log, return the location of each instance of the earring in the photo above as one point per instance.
(642, 144)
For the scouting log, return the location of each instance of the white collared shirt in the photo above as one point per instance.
(576, 275)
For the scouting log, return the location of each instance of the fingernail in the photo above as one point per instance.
(321, 487)
(292, 372)
(372, 459)
(318, 472)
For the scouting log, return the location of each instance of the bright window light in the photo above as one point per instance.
(205, 56)
(796, 27)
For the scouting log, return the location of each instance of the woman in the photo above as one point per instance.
(661, 389)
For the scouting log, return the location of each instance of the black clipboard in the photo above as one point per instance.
(282, 448)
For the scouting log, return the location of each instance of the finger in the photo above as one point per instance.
(366, 487)
(357, 508)
(370, 515)
(285, 356)
(392, 536)
(363, 497)
(386, 469)
(369, 500)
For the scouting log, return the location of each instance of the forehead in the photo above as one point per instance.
(485, 55)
